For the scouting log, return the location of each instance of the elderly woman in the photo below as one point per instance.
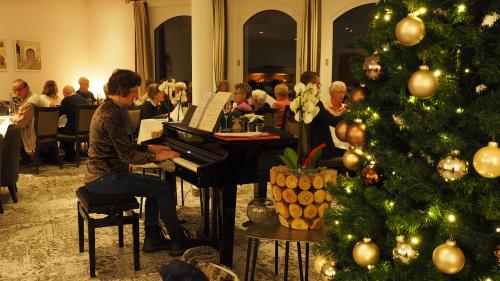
(336, 104)
(111, 152)
(154, 105)
(282, 101)
(49, 94)
(259, 104)
(240, 98)
(223, 86)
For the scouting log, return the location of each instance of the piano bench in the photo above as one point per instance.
(113, 207)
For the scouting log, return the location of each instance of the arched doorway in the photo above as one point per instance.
(270, 45)
(346, 29)
(173, 49)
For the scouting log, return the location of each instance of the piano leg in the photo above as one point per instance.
(228, 207)
(205, 208)
(215, 214)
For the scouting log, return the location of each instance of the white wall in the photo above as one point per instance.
(78, 37)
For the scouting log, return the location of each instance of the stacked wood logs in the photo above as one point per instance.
(301, 199)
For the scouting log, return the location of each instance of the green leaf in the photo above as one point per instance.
(315, 159)
(291, 156)
(286, 162)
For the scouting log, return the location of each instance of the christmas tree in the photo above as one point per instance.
(432, 108)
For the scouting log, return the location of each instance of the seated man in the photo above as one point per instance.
(25, 117)
(69, 107)
(110, 154)
(282, 101)
(84, 92)
(154, 105)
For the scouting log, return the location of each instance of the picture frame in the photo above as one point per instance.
(28, 55)
(3, 55)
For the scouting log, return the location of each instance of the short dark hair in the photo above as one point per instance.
(308, 77)
(49, 89)
(122, 81)
(153, 90)
(148, 82)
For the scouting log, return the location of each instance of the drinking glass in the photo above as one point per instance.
(227, 108)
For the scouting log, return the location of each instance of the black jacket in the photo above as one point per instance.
(320, 132)
(69, 107)
(148, 110)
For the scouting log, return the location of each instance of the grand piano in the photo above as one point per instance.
(210, 162)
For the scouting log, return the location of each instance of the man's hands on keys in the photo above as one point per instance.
(166, 155)
(156, 148)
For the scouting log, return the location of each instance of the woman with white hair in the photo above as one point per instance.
(259, 104)
(336, 104)
(179, 94)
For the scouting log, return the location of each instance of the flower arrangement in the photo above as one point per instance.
(253, 118)
(305, 105)
(167, 87)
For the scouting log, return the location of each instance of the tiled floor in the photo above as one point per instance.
(38, 235)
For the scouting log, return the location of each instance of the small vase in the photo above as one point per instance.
(259, 127)
(250, 127)
(259, 209)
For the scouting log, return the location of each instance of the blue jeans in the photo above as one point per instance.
(158, 193)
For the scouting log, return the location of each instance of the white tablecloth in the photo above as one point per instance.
(147, 127)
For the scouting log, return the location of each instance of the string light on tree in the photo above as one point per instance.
(452, 218)
(461, 8)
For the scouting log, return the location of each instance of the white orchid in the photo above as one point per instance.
(305, 105)
(254, 118)
(299, 88)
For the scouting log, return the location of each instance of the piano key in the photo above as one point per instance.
(186, 164)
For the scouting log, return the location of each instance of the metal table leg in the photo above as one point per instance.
(276, 257)
(287, 252)
(307, 262)
(254, 261)
(299, 256)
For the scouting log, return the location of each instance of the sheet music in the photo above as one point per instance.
(198, 113)
(4, 124)
(213, 110)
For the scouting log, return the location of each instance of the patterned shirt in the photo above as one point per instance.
(111, 150)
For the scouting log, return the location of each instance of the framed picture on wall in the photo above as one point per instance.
(28, 55)
(3, 55)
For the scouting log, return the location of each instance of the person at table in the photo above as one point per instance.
(69, 108)
(84, 92)
(281, 103)
(110, 154)
(240, 94)
(154, 105)
(223, 86)
(336, 104)
(320, 126)
(25, 117)
(49, 94)
(259, 105)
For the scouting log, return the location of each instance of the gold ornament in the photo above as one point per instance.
(497, 253)
(423, 84)
(486, 161)
(366, 253)
(352, 159)
(453, 167)
(356, 133)
(372, 67)
(319, 261)
(341, 129)
(373, 174)
(328, 271)
(403, 252)
(448, 258)
(410, 31)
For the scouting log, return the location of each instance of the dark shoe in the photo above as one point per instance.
(154, 240)
(181, 240)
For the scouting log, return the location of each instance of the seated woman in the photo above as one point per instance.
(259, 104)
(179, 94)
(154, 105)
(49, 94)
(240, 95)
(110, 154)
(282, 101)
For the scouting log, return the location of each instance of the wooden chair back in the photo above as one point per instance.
(46, 122)
(84, 117)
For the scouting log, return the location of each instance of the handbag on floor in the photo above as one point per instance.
(177, 270)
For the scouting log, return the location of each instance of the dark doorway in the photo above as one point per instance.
(173, 49)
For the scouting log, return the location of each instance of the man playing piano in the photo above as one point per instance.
(110, 154)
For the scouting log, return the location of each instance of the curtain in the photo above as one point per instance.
(311, 37)
(219, 40)
(143, 53)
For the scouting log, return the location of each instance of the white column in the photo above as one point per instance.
(202, 48)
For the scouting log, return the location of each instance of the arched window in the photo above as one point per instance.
(270, 44)
(346, 29)
(173, 49)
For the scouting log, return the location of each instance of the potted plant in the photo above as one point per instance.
(254, 122)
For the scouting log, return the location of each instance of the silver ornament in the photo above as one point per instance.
(403, 252)
(453, 167)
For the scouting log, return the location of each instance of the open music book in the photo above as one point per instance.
(208, 111)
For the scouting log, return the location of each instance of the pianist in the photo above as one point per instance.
(110, 154)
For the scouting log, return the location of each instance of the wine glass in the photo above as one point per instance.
(227, 108)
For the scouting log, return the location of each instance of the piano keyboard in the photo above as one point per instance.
(186, 164)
